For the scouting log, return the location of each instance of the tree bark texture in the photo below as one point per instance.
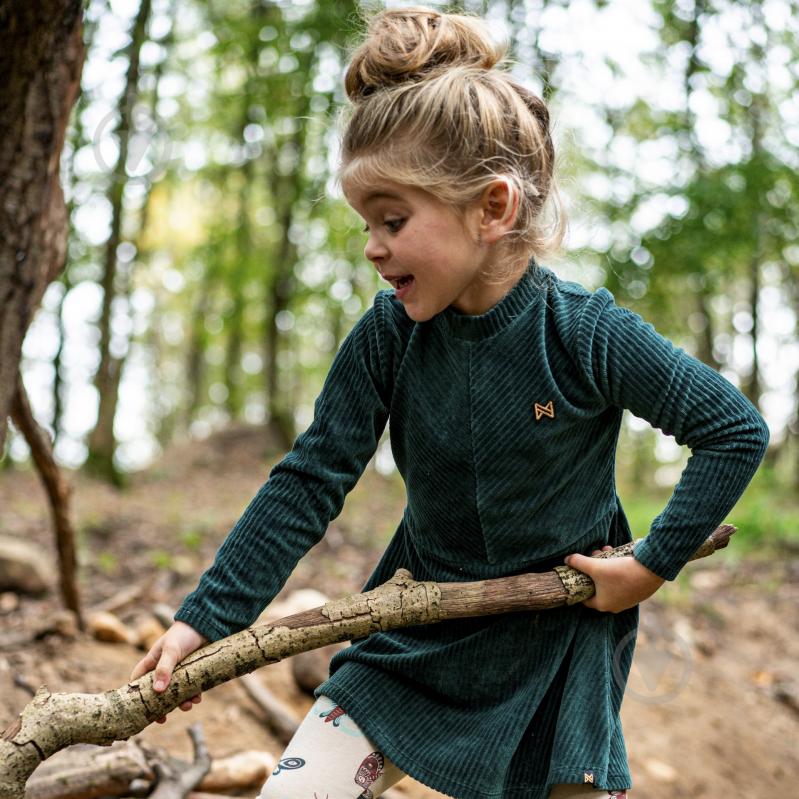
(58, 493)
(41, 58)
(52, 721)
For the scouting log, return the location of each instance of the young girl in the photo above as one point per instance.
(505, 387)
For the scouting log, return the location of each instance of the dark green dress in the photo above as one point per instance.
(504, 428)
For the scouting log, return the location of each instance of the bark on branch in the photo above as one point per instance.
(51, 722)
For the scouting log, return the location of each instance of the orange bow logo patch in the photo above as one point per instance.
(544, 410)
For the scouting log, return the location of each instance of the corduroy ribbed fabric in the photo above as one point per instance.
(504, 428)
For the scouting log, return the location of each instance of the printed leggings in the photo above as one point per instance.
(330, 758)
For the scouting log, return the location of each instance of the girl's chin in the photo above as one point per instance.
(419, 314)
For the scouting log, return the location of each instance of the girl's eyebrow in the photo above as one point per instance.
(381, 195)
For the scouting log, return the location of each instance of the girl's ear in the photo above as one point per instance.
(499, 205)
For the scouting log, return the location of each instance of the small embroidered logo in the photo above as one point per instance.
(544, 410)
(588, 776)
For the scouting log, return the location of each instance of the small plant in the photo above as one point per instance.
(106, 562)
(192, 539)
(160, 558)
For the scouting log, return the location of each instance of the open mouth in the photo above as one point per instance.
(401, 282)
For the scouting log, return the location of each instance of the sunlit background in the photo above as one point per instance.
(230, 268)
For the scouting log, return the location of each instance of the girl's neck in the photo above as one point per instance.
(490, 291)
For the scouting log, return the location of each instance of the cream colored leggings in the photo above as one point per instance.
(330, 758)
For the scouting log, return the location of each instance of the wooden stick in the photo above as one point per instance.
(177, 778)
(58, 493)
(277, 716)
(52, 721)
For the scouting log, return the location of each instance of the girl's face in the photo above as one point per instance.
(432, 257)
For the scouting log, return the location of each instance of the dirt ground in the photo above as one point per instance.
(712, 707)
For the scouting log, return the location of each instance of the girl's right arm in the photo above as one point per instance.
(305, 490)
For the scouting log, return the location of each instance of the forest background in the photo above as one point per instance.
(213, 267)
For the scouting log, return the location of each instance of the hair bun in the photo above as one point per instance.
(406, 44)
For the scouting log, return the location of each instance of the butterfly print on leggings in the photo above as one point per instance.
(370, 769)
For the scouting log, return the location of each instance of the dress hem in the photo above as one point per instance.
(429, 777)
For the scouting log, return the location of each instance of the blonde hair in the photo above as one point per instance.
(429, 110)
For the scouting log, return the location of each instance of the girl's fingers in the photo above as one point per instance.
(190, 703)
(147, 663)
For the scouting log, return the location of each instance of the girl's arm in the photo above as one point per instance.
(305, 490)
(631, 366)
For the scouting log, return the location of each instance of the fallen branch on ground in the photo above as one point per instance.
(51, 722)
(90, 772)
(176, 778)
(86, 771)
(276, 715)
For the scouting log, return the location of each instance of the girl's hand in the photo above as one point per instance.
(620, 582)
(175, 644)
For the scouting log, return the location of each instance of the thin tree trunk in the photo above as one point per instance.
(757, 113)
(51, 722)
(279, 292)
(58, 365)
(705, 338)
(58, 493)
(752, 386)
(195, 361)
(77, 139)
(102, 441)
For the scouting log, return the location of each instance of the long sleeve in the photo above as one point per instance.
(305, 490)
(631, 366)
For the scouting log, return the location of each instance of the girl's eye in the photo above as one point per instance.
(392, 225)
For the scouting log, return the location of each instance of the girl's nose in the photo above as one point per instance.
(375, 250)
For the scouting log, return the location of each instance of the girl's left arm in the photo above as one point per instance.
(632, 366)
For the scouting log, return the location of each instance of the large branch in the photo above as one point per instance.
(51, 722)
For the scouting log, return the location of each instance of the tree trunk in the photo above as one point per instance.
(41, 58)
(78, 138)
(198, 344)
(705, 338)
(52, 721)
(102, 442)
(752, 386)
